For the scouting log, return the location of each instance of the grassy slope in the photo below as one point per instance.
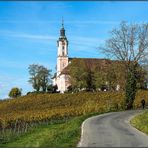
(58, 135)
(66, 134)
(141, 122)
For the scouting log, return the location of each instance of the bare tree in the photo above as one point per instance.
(129, 43)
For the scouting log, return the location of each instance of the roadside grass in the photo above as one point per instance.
(53, 135)
(141, 122)
(63, 135)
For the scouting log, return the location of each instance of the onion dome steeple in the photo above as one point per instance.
(62, 31)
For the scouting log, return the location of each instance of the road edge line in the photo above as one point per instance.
(82, 126)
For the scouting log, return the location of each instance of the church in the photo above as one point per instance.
(61, 77)
(61, 80)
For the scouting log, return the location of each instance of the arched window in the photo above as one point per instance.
(63, 52)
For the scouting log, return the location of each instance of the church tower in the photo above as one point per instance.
(62, 43)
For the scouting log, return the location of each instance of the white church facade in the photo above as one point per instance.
(61, 80)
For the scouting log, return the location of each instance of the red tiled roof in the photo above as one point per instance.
(90, 63)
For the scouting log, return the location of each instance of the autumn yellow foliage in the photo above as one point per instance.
(45, 107)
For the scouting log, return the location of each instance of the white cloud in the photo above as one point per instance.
(9, 33)
(76, 40)
(86, 42)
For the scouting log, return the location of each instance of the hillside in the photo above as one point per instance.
(18, 115)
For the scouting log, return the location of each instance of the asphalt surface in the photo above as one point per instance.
(112, 130)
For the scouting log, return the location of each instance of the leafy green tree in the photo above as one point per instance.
(141, 75)
(40, 77)
(43, 76)
(111, 78)
(78, 76)
(55, 88)
(90, 80)
(34, 79)
(15, 92)
(99, 79)
(130, 89)
(50, 88)
(69, 88)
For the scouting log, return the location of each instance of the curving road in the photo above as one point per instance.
(112, 130)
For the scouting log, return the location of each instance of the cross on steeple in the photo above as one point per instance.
(62, 31)
(62, 22)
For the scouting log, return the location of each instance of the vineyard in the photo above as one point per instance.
(18, 115)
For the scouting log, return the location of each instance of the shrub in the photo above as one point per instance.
(50, 88)
(15, 92)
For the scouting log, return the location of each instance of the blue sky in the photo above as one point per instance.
(29, 33)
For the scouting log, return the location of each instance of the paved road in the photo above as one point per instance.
(112, 130)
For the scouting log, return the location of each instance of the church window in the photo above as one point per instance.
(63, 52)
